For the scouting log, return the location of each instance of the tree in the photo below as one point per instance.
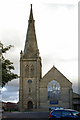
(7, 67)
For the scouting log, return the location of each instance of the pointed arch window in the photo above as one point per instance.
(27, 71)
(31, 71)
(54, 91)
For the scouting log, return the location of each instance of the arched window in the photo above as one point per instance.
(27, 71)
(31, 71)
(54, 91)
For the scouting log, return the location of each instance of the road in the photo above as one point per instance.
(25, 116)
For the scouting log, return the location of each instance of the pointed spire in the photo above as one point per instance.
(31, 48)
(31, 14)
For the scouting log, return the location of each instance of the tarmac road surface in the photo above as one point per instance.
(25, 116)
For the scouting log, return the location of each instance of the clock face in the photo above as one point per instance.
(29, 81)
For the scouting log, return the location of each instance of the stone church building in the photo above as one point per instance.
(37, 92)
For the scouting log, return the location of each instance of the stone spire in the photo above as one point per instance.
(31, 14)
(31, 48)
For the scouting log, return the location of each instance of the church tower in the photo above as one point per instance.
(30, 70)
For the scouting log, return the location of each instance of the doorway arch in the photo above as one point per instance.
(30, 105)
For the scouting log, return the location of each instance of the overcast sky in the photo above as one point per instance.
(56, 24)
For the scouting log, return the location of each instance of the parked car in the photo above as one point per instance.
(64, 114)
(55, 108)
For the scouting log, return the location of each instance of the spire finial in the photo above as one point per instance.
(31, 14)
(31, 6)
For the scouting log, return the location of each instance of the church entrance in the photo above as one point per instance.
(30, 105)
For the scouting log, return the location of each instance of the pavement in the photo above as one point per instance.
(25, 116)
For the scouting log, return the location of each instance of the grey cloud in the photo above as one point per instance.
(58, 59)
(11, 91)
(10, 96)
(75, 86)
(13, 37)
(51, 5)
(13, 83)
(66, 60)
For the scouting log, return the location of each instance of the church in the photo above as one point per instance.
(35, 91)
